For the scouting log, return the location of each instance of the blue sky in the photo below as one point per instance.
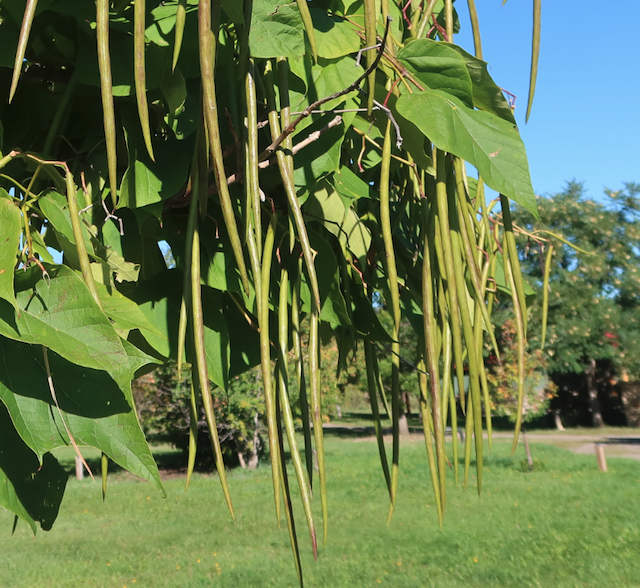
(585, 122)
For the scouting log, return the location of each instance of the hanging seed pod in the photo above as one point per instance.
(25, 30)
(285, 406)
(392, 284)
(106, 87)
(139, 15)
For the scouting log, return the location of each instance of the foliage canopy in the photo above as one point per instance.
(289, 179)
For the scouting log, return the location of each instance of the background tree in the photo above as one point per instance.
(594, 297)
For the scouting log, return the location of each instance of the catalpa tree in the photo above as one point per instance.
(298, 159)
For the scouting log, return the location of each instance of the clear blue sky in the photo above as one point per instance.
(585, 122)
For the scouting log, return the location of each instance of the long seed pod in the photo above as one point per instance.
(535, 53)
(286, 174)
(208, 43)
(285, 406)
(483, 372)
(299, 371)
(454, 433)
(251, 154)
(427, 422)
(432, 357)
(518, 311)
(262, 298)
(193, 434)
(448, 19)
(288, 506)
(468, 254)
(198, 187)
(545, 295)
(484, 384)
(139, 14)
(372, 386)
(285, 110)
(104, 466)
(510, 244)
(106, 88)
(25, 29)
(468, 434)
(493, 260)
(467, 326)
(201, 373)
(445, 263)
(447, 359)
(303, 7)
(475, 26)
(181, 18)
(392, 284)
(371, 39)
(424, 19)
(381, 392)
(316, 412)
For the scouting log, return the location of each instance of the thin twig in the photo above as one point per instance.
(391, 118)
(55, 400)
(183, 198)
(233, 178)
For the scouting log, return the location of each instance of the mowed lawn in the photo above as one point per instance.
(566, 526)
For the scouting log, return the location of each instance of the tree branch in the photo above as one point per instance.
(307, 111)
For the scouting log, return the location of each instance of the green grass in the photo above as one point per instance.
(566, 526)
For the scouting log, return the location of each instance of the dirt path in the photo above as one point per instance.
(618, 443)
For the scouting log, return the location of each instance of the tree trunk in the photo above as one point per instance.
(403, 424)
(526, 448)
(592, 391)
(252, 463)
(407, 402)
(556, 418)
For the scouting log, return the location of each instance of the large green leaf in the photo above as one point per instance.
(164, 317)
(122, 70)
(55, 207)
(486, 141)
(318, 159)
(147, 182)
(93, 407)
(125, 313)
(276, 30)
(233, 10)
(335, 36)
(10, 221)
(163, 313)
(350, 186)
(62, 315)
(487, 95)
(29, 488)
(326, 206)
(327, 78)
(216, 337)
(438, 66)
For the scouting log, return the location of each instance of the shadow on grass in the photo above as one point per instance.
(621, 441)
(170, 460)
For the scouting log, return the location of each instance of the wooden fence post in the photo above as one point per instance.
(602, 460)
(79, 469)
